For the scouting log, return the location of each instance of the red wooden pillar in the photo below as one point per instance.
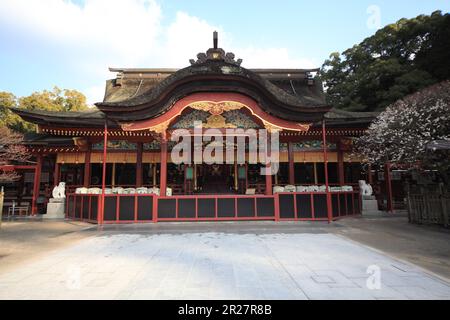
(269, 186)
(56, 174)
(163, 171)
(387, 178)
(291, 163)
(325, 160)
(369, 174)
(276, 201)
(87, 168)
(101, 213)
(140, 147)
(269, 190)
(36, 185)
(341, 167)
(20, 190)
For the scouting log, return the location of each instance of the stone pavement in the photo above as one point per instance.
(219, 266)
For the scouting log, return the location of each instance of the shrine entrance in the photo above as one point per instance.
(216, 179)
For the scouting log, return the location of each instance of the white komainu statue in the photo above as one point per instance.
(364, 188)
(59, 192)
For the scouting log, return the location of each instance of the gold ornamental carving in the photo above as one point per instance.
(160, 127)
(216, 108)
(81, 143)
(271, 127)
(217, 121)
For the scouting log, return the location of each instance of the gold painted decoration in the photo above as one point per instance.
(70, 158)
(81, 143)
(116, 157)
(304, 127)
(314, 157)
(217, 121)
(216, 108)
(271, 127)
(160, 128)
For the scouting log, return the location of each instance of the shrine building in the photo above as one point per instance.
(117, 159)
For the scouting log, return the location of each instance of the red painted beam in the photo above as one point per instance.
(56, 174)
(87, 167)
(36, 185)
(101, 213)
(269, 190)
(269, 187)
(139, 152)
(341, 173)
(369, 174)
(387, 178)
(325, 160)
(163, 171)
(291, 163)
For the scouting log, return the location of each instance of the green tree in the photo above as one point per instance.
(74, 101)
(9, 119)
(398, 60)
(55, 100)
(7, 100)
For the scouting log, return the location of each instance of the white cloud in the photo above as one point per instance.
(186, 37)
(116, 29)
(94, 94)
(125, 33)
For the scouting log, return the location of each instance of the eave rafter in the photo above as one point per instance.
(351, 132)
(50, 150)
(76, 132)
(163, 126)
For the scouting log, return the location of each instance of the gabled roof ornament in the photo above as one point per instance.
(215, 39)
(216, 54)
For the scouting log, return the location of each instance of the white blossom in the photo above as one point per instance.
(402, 132)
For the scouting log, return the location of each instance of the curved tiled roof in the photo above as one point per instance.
(308, 104)
(141, 94)
(310, 98)
(83, 119)
(344, 114)
(95, 118)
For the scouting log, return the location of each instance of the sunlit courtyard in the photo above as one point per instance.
(219, 266)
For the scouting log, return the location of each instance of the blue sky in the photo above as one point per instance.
(71, 44)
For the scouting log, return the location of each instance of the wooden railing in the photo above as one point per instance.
(312, 206)
(123, 208)
(431, 208)
(136, 208)
(216, 208)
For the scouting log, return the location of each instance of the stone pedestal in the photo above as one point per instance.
(56, 209)
(369, 205)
